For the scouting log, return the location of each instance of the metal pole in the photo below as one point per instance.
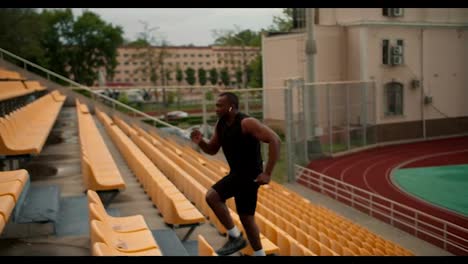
(289, 131)
(364, 113)
(310, 51)
(330, 123)
(301, 86)
(422, 84)
(348, 131)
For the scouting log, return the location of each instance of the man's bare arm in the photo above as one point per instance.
(212, 147)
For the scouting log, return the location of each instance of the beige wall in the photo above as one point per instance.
(333, 16)
(445, 71)
(284, 58)
(437, 55)
(404, 74)
(278, 66)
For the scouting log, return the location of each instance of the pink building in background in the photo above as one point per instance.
(416, 57)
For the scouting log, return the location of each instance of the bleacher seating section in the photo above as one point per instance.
(118, 236)
(25, 130)
(99, 170)
(12, 184)
(175, 208)
(175, 177)
(204, 248)
(6, 75)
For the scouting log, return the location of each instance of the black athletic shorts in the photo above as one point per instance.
(243, 189)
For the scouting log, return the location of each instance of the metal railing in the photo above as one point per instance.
(72, 84)
(423, 225)
(95, 95)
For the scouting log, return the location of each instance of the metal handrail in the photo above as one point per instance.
(353, 192)
(75, 84)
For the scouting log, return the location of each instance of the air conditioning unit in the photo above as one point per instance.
(397, 12)
(427, 99)
(397, 50)
(397, 60)
(415, 83)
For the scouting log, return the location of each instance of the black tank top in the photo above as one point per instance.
(242, 151)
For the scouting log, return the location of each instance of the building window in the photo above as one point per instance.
(393, 93)
(298, 17)
(386, 52)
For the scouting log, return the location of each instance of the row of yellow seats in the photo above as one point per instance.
(12, 89)
(118, 236)
(316, 220)
(200, 164)
(24, 131)
(12, 184)
(320, 244)
(10, 75)
(172, 160)
(174, 207)
(289, 245)
(180, 159)
(99, 170)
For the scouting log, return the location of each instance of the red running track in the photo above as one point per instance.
(371, 170)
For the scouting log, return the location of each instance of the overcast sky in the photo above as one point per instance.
(181, 26)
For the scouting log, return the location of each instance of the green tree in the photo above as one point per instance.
(179, 78)
(139, 43)
(152, 59)
(239, 77)
(170, 97)
(190, 76)
(202, 76)
(123, 98)
(213, 73)
(21, 30)
(224, 75)
(85, 44)
(237, 37)
(282, 23)
(179, 75)
(255, 73)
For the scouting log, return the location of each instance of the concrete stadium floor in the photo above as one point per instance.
(59, 163)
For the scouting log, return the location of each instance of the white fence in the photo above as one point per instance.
(439, 232)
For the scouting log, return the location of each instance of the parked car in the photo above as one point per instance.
(173, 115)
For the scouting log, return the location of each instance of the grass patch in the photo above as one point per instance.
(279, 172)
